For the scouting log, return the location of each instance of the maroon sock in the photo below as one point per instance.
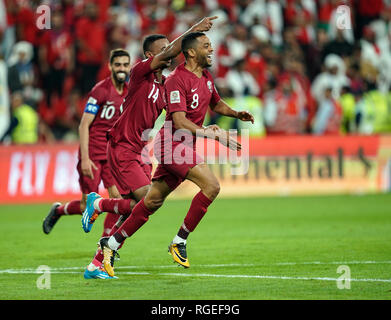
(140, 215)
(109, 222)
(197, 210)
(117, 206)
(70, 208)
(98, 259)
(99, 255)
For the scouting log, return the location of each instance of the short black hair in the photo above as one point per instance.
(148, 40)
(118, 53)
(189, 41)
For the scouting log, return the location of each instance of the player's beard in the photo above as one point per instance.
(119, 80)
(203, 61)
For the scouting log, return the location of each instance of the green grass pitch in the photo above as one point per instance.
(253, 248)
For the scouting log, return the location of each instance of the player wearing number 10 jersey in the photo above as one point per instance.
(103, 108)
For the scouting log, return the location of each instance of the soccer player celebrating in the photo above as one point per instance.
(190, 90)
(145, 101)
(103, 108)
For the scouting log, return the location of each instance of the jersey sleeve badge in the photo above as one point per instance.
(209, 84)
(91, 106)
(175, 97)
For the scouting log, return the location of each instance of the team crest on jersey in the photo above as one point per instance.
(209, 84)
(175, 97)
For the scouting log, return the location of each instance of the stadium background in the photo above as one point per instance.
(321, 102)
(319, 94)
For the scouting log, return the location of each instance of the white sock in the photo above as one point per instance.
(113, 244)
(178, 239)
(92, 267)
(96, 204)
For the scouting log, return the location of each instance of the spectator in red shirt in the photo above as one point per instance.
(67, 118)
(90, 41)
(285, 109)
(157, 18)
(366, 12)
(25, 22)
(56, 57)
(256, 65)
(224, 60)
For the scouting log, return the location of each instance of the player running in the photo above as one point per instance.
(145, 101)
(190, 90)
(103, 108)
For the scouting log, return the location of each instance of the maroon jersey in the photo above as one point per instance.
(186, 92)
(145, 101)
(105, 103)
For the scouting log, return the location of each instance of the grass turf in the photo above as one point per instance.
(255, 248)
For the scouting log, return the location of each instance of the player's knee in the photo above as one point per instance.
(153, 204)
(212, 190)
(216, 189)
(115, 195)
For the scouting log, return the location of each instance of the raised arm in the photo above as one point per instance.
(174, 48)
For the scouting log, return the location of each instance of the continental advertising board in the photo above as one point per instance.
(275, 166)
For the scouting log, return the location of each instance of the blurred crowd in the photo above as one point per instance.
(300, 66)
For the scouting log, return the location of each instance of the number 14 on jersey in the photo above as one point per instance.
(154, 94)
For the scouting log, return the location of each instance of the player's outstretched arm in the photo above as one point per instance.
(86, 164)
(174, 48)
(224, 109)
(210, 132)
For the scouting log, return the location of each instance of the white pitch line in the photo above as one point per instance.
(255, 264)
(263, 264)
(207, 275)
(263, 277)
(33, 270)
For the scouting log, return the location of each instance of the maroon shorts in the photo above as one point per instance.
(127, 168)
(174, 167)
(103, 173)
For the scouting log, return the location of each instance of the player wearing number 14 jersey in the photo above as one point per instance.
(145, 101)
(103, 108)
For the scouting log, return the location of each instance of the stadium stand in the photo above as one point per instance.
(311, 66)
